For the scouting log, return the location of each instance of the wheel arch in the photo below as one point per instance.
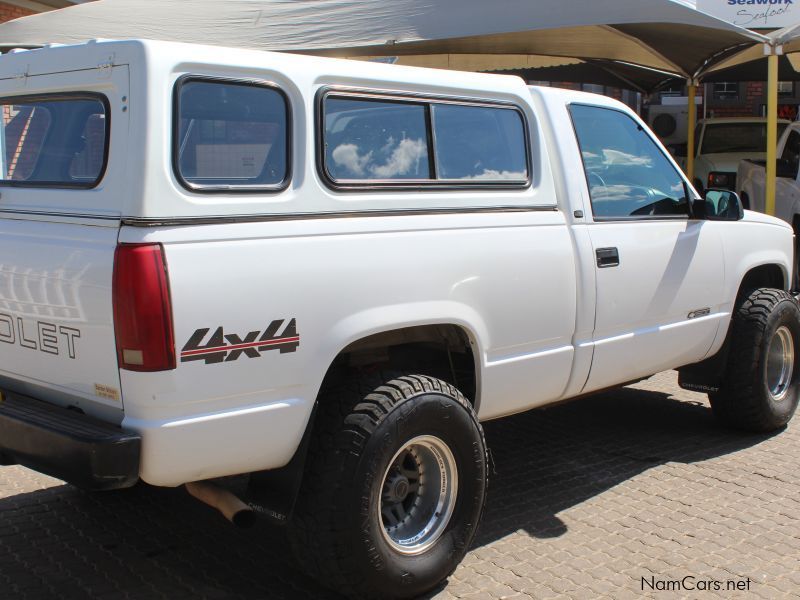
(756, 254)
(705, 376)
(417, 348)
(410, 323)
(365, 346)
(769, 274)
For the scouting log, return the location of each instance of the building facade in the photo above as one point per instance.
(14, 9)
(11, 11)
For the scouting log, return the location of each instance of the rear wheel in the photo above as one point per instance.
(394, 486)
(760, 390)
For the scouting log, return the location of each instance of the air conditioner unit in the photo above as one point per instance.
(670, 123)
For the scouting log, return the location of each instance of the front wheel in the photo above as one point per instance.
(394, 487)
(760, 390)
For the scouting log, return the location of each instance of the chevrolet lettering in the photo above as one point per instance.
(39, 335)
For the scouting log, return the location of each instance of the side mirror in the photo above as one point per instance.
(719, 205)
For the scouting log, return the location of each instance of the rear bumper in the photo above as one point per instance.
(68, 445)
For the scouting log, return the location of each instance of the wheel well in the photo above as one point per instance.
(705, 376)
(764, 276)
(441, 351)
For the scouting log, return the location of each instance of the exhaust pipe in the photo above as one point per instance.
(232, 508)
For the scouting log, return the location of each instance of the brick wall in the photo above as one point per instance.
(9, 11)
(747, 105)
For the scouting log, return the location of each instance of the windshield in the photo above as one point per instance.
(736, 137)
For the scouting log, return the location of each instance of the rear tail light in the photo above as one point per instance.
(142, 309)
(718, 179)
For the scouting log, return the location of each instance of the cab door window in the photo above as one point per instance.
(628, 175)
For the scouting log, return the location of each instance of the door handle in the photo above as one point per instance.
(607, 257)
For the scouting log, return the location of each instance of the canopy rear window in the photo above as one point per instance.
(736, 137)
(53, 141)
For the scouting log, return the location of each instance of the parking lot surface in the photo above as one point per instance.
(633, 493)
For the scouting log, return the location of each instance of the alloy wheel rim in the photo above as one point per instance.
(780, 363)
(418, 495)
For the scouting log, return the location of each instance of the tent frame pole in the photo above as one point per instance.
(692, 123)
(772, 128)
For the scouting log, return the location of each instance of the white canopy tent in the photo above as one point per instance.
(663, 34)
(668, 35)
(787, 40)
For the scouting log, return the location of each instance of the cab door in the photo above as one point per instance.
(659, 274)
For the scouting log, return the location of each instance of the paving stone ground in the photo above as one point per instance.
(606, 497)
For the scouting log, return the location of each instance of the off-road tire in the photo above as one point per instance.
(744, 400)
(336, 532)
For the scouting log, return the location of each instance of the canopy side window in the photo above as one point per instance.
(378, 141)
(736, 137)
(627, 174)
(477, 143)
(230, 135)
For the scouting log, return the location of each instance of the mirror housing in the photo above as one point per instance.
(719, 205)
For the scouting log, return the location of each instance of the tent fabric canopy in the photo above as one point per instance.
(476, 62)
(532, 67)
(630, 44)
(788, 37)
(664, 34)
(600, 72)
(747, 64)
(756, 70)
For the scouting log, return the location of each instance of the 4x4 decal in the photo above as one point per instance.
(225, 347)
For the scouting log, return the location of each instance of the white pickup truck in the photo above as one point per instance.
(751, 179)
(327, 273)
(721, 143)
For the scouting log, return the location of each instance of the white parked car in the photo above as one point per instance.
(752, 179)
(752, 176)
(721, 143)
(325, 274)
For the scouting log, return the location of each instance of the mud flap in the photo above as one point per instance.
(273, 493)
(705, 376)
